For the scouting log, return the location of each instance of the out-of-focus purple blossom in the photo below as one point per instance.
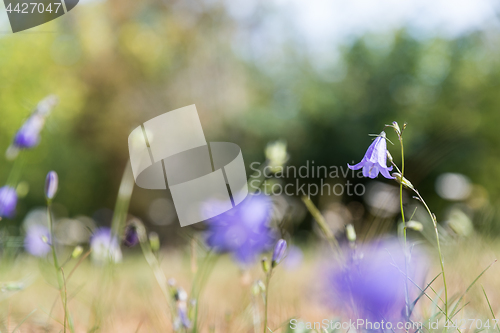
(293, 258)
(8, 201)
(105, 246)
(279, 252)
(28, 135)
(51, 185)
(45, 106)
(375, 159)
(131, 237)
(372, 282)
(183, 317)
(37, 240)
(244, 230)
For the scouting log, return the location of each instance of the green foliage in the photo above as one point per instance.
(116, 65)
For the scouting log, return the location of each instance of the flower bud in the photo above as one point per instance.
(350, 232)
(8, 201)
(181, 295)
(389, 157)
(12, 286)
(45, 239)
(154, 241)
(403, 180)
(77, 252)
(265, 264)
(395, 125)
(256, 288)
(414, 225)
(262, 286)
(279, 252)
(276, 154)
(171, 282)
(51, 184)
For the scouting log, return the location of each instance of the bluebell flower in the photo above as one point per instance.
(105, 246)
(375, 159)
(51, 185)
(279, 252)
(8, 201)
(28, 135)
(183, 317)
(131, 237)
(371, 282)
(244, 230)
(37, 240)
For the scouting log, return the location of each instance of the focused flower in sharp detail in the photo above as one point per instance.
(8, 201)
(105, 246)
(37, 240)
(375, 159)
(244, 230)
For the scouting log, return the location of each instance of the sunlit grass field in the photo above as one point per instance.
(126, 298)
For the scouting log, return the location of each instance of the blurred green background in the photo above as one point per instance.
(256, 74)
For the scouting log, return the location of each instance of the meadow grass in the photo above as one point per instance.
(133, 302)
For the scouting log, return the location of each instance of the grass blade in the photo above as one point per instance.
(469, 287)
(22, 321)
(489, 305)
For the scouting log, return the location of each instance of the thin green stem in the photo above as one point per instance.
(434, 222)
(266, 295)
(407, 296)
(122, 201)
(199, 282)
(60, 277)
(334, 244)
(154, 264)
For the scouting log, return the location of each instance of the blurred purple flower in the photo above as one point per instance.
(105, 246)
(375, 159)
(183, 317)
(37, 240)
(28, 135)
(279, 252)
(372, 281)
(8, 201)
(131, 238)
(293, 258)
(51, 184)
(244, 230)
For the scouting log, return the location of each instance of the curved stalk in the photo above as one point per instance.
(434, 222)
(407, 294)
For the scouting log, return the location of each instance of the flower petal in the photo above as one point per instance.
(366, 169)
(373, 172)
(357, 166)
(385, 172)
